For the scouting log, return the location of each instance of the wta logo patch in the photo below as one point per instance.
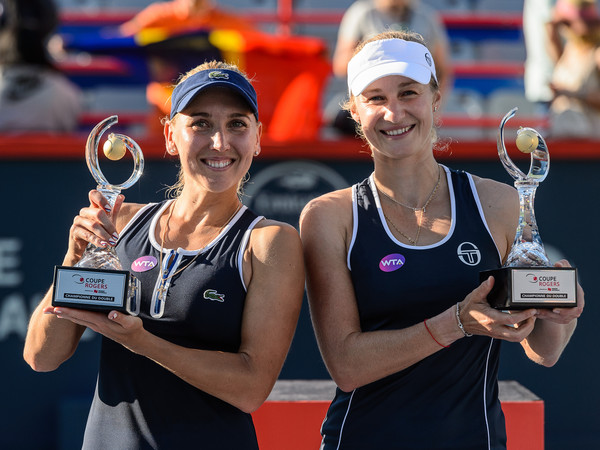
(391, 262)
(143, 264)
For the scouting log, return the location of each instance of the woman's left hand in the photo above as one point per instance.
(564, 315)
(553, 329)
(118, 326)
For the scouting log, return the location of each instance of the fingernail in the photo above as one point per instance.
(108, 209)
(113, 316)
(115, 235)
(112, 242)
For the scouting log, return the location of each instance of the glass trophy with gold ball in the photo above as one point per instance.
(98, 281)
(527, 279)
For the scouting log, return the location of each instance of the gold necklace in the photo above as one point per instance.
(431, 195)
(410, 240)
(165, 272)
(413, 241)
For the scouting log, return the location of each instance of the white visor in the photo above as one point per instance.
(378, 59)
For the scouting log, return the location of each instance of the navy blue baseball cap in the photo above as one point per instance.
(185, 91)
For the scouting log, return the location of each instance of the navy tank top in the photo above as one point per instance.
(449, 399)
(138, 404)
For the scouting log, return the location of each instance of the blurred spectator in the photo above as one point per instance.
(538, 64)
(575, 37)
(290, 71)
(366, 18)
(34, 95)
(163, 22)
(164, 25)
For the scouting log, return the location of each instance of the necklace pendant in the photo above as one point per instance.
(161, 292)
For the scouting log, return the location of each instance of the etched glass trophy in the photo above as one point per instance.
(527, 279)
(98, 282)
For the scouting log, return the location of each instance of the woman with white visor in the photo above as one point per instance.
(393, 266)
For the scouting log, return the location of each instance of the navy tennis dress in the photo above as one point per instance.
(448, 400)
(138, 404)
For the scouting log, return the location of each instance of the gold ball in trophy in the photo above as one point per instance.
(527, 141)
(114, 148)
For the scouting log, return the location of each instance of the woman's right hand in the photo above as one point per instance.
(94, 224)
(478, 317)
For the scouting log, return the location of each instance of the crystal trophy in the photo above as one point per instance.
(527, 279)
(98, 281)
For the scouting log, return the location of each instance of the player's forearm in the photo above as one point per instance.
(50, 341)
(236, 378)
(547, 341)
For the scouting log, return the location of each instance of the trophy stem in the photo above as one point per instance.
(103, 258)
(527, 248)
(110, 193)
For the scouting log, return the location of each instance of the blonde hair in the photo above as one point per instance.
(175, 190)
(405, 35)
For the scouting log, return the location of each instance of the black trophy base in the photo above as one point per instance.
(90, 289)
(532, 287)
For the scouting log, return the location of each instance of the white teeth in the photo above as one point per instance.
(397, 132)
(218, 164)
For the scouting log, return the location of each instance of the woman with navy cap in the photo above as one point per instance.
(219, 307)
(393, 275)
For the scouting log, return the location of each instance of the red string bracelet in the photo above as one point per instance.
(430, 334)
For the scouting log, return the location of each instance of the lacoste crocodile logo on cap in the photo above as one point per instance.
(217, 75)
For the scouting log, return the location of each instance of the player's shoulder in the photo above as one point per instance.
(496, 190)
(328, 204)
(329, 214)
(128, 212)
(500, 201)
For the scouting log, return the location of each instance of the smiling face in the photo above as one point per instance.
(396, 116)
(216, 137)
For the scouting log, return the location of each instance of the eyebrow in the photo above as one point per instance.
(400, 85)
(232, 115)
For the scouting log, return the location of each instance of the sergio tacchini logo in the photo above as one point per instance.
(468, 253)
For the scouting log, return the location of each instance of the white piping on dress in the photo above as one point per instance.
(481, 213)
(243, 245)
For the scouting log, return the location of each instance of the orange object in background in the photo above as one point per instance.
(290, 425)
(292, 416)
(289, 74)
(524, 424)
